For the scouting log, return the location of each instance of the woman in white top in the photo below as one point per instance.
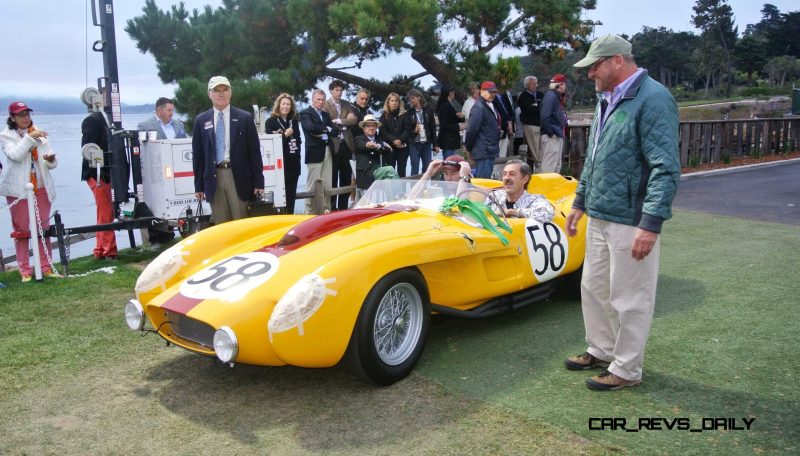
(29, 159)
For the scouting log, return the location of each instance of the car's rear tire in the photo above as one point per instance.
(391, 328)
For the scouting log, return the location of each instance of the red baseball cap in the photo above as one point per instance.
(17, 107)
(454, 161)
(559, 78)
(489, 85)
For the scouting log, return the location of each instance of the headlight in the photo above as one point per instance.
(134, 315)
(225, 345)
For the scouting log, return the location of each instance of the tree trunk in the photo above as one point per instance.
(435, 66)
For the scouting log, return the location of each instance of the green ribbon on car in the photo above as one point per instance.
(477, 211)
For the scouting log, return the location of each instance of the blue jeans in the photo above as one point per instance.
(417, 152)
(447, 152)
(484, 168)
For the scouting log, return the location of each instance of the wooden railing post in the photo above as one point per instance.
(318, 203)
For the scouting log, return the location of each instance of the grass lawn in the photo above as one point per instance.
(74, 380)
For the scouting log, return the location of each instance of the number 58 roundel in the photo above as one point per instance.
(548, 249)
(232, 277)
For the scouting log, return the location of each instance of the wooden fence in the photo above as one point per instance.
(710, 141)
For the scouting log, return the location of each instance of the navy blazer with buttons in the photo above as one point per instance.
(313, 129)
(245, 154)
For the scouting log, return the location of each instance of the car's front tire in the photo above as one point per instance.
(391, 328)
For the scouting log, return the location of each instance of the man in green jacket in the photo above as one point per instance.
(626, 188)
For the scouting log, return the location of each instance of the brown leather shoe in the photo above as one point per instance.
(584, 361)
(606, 381)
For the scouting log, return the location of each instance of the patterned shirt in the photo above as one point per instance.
(529, 205)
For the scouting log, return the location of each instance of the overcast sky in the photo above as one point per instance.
(47, 43)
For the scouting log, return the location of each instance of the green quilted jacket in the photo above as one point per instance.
(632, 167)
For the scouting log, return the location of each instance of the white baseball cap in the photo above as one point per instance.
(218, 80)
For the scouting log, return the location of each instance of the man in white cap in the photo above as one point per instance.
(226, 155)
(626, 188)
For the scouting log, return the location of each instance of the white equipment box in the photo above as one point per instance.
(168, 178)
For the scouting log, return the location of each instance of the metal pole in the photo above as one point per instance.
(62, 251)
(37, 265)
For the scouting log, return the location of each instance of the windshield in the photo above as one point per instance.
(415, 193)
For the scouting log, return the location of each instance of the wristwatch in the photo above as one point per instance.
(465, 178)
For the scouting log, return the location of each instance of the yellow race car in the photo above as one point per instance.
(311, 290)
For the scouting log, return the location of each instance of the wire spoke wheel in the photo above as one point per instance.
(391, 328)
(398, 324)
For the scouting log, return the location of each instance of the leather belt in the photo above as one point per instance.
(224, 165)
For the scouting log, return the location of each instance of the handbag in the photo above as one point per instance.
(261, 207)
(193, 223)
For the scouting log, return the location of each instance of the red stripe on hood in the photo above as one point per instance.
(323, 225)
(302, 234)
(181, 304)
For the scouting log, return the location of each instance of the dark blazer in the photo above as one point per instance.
(427, 120)
(245, 154)
(291, 159)
(503, 105)
(529, 105)
(360, 114)
(313, 129)
(483, 133)
(449, 129)
(368, 160)
(94, 129)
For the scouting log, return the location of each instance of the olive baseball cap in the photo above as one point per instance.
(605, 46)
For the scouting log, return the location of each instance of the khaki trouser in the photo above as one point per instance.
(497, 170)
(618, 296)
(322, 170)
(226, 205)
(552, 149)
(532, 135)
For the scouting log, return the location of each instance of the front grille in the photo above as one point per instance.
(191, 329)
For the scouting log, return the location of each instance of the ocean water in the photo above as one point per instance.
(73, 198)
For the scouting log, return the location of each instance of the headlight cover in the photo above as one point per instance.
(299, 303)
(163, 268)
(226, 346)
(134, 315)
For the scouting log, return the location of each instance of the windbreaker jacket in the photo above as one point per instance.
(17, 171)
(632, 167)
(483, 134)
(552, 119)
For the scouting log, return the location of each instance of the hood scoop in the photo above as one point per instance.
(323, 225)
